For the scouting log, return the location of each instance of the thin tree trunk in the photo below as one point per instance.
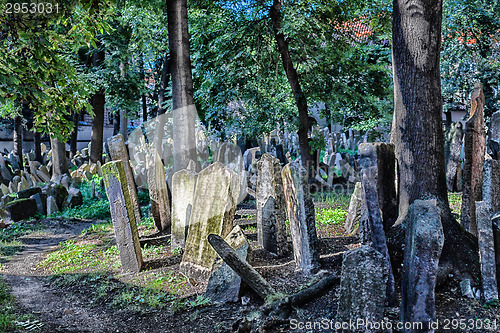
(143, 95)
(38, 146)
(293, 79)
(184, 111)
(74, 134)
(417, 127)
(59, 160)
(123, 111)
(165, 77)
(18, 139)
(98, 103)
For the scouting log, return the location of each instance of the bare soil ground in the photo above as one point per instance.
(74, 308)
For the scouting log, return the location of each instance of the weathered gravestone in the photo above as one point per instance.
(354, 212)
(486, 251)
(423, 245)
(52, 205)
(494, 136)
(381, 156)
(271, 207)
(491, 184)
(452, 154)
(300, 210)
(363, 285)
(118, 152)
(224, 284)
(183, 187)
(122, 215)
(216, 194)
(158, 191)
(475, 146)
(371, 224)
(18, 210)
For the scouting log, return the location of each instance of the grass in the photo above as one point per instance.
(6, 304)
(331, 216)
(455, 200)
(9, 238)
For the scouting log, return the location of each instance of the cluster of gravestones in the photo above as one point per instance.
(204, 203)
(367, 282)
(34, 189)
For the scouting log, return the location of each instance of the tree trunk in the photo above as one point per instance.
(143, 96)
(165, 77)
(59, 160)
(184, 110)
(18, 139)
(74, 134)
(417, 127)
(37, 140)
(123, 111)
(293, 79)
(98, 103)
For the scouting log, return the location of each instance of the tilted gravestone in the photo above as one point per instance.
(486, 251)
(475, 146)
(118, 152)
(300, 211)
(271, 207)
(224, 284)
(363, 285)
(183, 187)
(423, 245)
(354, 211)
(452, 154)
(216, 195)
(122, 215)
(158, 191)
(491, 184)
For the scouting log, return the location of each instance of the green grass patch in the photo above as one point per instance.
(455, 200)
(9, 238)
(6, 304)
(331, 216)
(72, 256)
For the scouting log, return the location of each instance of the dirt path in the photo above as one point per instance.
(57, 311)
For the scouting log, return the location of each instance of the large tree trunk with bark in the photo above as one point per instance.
(184, 111)
(37, 140)
(417, 127)
(165, 77)
(18, 139)
(293, 79)
(98, 102)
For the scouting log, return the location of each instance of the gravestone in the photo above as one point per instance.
(491, 184)
(363, 285)
(271, 207)
(494, 136)
(381, 156)
(216, 195)
(300, 211)
(423, 245)
(371, 224)
(475, 146)
(118, 152)
(486, 251)
(51, 205)
(354, 212)
(122, 215)
(158, 191)
(452, 153)
(18, 210)
(224, 284)
(183, 187)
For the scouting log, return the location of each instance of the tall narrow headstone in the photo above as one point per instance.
(158, 191)
(363, 285)
(475, 146)
(122, 215)
(381, 155)
(271, 207)
(216, 195)
(118, 152)
(494, 136)
(452, 154)
(354, 212)
(486, 251)
(300, 209)
(183, 187)
(491, 184)
(423, 245)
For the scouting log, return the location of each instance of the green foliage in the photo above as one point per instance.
(331, 216)
(6, 304)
